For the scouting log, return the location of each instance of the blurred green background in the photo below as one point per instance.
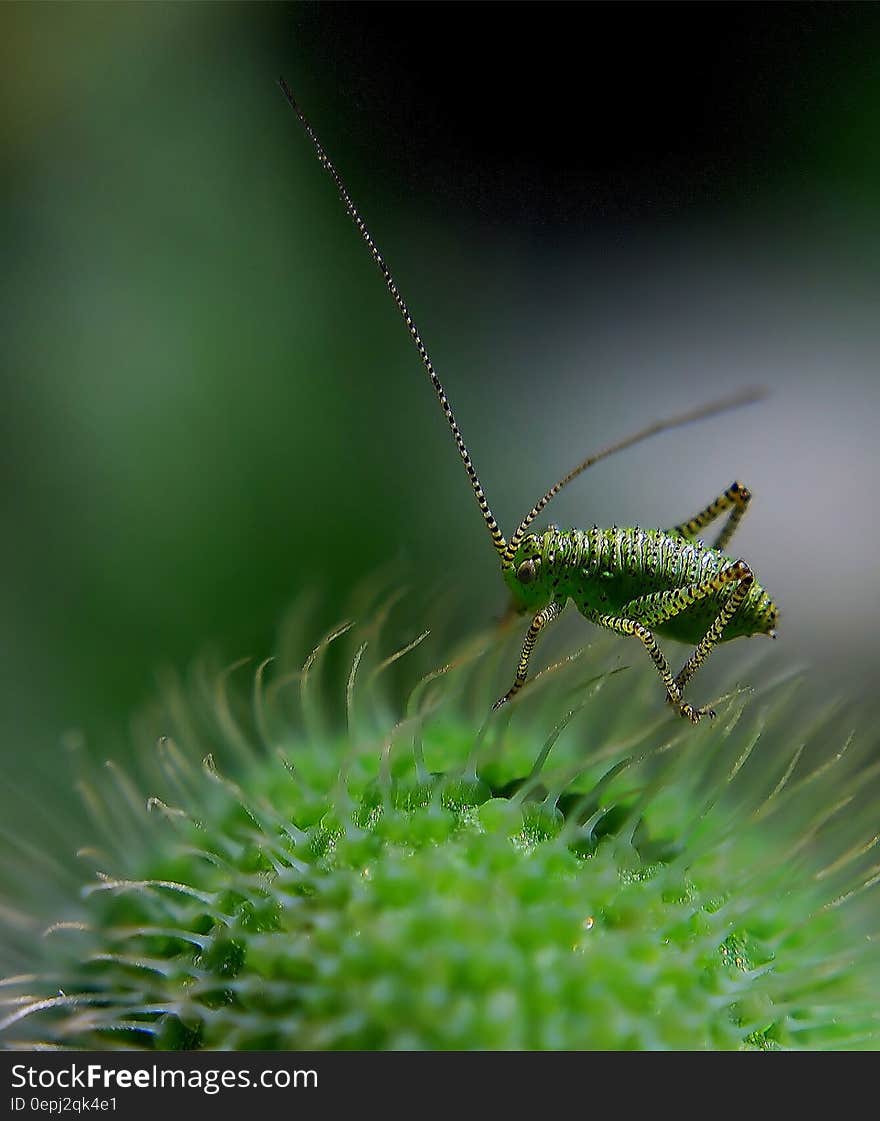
(597, 213)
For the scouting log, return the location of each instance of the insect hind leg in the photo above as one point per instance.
(735, 499)
(657, 608)
(742, 574)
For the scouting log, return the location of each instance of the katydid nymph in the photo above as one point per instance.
(638, 582)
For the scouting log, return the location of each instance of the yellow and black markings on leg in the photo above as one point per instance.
(653, 610)
(550, 612)
(622, 625)
(658, 607)
(736, 499)
(742, 574)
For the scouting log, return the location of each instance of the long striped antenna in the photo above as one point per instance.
(488, 517)
(745, 397)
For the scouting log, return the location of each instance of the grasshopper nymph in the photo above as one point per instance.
(640, 582)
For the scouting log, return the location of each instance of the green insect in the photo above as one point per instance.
(640, 582)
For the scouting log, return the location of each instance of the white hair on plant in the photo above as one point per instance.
(341, 849)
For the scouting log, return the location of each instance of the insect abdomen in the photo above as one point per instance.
(603, 570)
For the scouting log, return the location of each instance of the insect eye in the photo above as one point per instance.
(526, 572)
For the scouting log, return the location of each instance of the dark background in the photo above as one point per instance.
(598, 213)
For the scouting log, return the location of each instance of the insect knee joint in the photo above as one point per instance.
(739, 492)
(742, 571)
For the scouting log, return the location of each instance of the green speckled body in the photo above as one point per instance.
(604, 570)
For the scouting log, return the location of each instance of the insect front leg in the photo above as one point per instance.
(657, 608)
(547, 615)
(736, 499)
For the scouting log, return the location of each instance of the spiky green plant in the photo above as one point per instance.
(304, 864)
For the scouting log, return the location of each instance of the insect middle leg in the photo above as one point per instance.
(736, 499)
(622, 625)
(550, 612)
(655, 609)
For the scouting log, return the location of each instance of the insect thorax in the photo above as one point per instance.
(602, 570)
